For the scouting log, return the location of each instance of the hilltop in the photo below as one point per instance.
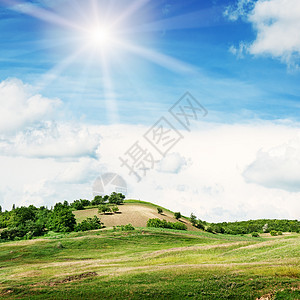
(134, 212)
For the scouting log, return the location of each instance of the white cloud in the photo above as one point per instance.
(277, 168)
(212, 184)
(51, 139)
(240, 50)
(20, 107)
(277, 26)
(172, 163)
(240, 9)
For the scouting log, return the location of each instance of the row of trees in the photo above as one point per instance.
(247, 227)
(27, 222)
(114, 198)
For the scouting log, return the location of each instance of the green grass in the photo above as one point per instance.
(150, 264)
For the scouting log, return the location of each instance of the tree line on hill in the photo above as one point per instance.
(27, 222)
(273, 226)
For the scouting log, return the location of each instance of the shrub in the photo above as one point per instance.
(115, 208)
(89, 224)
(158, 223)
(200, 224)
(210, 229)
(178, 226)
(177, 215)
(61, 219)
(273, 232)
(78, 205)
(128, 227)
(279, 232)
(116, 198)
(159, 210)
(255, 234)
(98, 200)
(103, 209)
(193, 219)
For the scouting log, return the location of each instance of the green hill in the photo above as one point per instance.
(135, 212)
(149, 263)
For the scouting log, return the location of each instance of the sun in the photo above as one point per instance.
(100, 37)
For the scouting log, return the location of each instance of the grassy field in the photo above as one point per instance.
(150, 264)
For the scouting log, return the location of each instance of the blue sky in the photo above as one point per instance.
(81, 81)
(197, 33)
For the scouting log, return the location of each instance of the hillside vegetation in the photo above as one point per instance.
(150, 264)
(53, 254)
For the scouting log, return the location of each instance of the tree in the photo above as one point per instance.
(177, 215)
(85, 202)
(13, 207)
(98, 200)
(200, 224)
(0, 209)
(89, 224)
(22, 214)
(193, 219)
(78, 205)
(103, 209)
(159, 210)
(116, 198)
(115, 208)
(61, 219)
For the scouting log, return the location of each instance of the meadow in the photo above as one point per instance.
(150, 263)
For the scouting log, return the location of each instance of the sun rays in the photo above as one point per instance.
(102, 31)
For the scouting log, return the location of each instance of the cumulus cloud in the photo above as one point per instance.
(277, 26)
(21, 107)
(51, 139)
(172, 163)
(277, 168)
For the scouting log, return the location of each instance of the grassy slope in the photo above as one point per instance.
(135, 212)
(150, 263)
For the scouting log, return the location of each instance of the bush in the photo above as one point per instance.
(159, 210)
(103, 209)
(200, 224)
(210, 229)
(89, 224)
(98, 200)
(279, 232)
(193, 219)
(158, 223)
(273, 232)
(178, 226)
(177, 215)
(116, 198)
(61, 219)
(127, 227)
(78, 205)
(255, 234)
(115, 208)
